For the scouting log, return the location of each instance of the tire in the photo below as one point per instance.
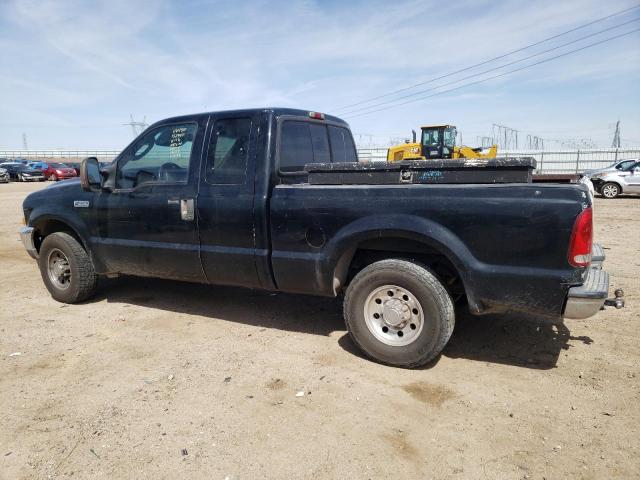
(399, 283)
(610, 190)
(61, 255)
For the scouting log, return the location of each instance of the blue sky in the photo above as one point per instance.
(72, 71)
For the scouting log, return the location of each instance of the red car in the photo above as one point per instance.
(59, 171)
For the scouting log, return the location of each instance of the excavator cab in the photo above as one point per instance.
(438, 141)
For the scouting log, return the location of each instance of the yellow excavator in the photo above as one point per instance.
(437, 142)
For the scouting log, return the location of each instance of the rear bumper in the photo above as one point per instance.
(586, 300)
(26, 235)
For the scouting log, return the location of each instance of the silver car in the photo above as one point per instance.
(612, 184)
(619, 166)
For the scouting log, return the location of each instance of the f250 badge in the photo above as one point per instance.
(81, 203)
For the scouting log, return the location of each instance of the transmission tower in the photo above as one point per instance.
(616, 136)
(505, 137)
(485, 142)
(24, 141)
(137, 127)
(535, 143)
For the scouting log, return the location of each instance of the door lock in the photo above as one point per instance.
(186, 209)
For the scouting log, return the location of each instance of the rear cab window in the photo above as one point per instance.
(303, 142)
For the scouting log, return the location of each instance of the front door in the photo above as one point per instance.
(226, 201)
(633, 179)
(149, 226)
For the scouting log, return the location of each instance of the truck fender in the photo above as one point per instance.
(39, 218)
(342, 246)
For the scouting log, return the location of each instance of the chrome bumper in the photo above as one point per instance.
(586, 300)
(26, 235)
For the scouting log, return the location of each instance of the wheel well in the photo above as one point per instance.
(374, 250)
(47, 227)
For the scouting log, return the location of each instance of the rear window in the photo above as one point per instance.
(307, 142)
(342, 147)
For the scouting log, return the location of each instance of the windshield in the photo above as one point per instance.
(59, 165)
(625, 165)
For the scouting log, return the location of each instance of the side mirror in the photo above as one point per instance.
(90, 177)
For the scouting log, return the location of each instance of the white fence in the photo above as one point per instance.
(72, 156)
(550, 162)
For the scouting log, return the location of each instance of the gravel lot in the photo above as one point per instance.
(158, 379)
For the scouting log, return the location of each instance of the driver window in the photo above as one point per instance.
(161, 155)
(430, 137)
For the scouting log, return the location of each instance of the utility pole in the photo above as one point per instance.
(24, 141)
(616, 136)
(137, 127)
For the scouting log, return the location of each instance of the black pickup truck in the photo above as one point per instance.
(273, 199)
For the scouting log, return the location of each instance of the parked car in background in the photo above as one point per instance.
(19, 172)
(619, 166)
(4, 175)
(59, 171)
(613, 183)
(38, 165)
(75, 166)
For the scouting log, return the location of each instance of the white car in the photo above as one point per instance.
(612, 184)
(4, 175)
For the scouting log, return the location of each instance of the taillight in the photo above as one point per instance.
(581, 239)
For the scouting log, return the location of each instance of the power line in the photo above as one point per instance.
(446, 84)
(491, 59)
(499, 75)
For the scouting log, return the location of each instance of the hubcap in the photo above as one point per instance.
(58, 269)
(393, 315)
(609, 191)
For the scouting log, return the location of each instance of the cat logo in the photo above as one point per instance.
(81, 203)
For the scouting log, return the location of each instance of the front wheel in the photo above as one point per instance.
(610, 190)
(399, 313)
(66, 268)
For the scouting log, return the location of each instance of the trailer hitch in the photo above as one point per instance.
(617, 302)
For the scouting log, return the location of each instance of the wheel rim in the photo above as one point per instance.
(393, 315)
(59, 269)
(610, 191)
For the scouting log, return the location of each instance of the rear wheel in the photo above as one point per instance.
(66, 269)
(399, 313)
(610, 190)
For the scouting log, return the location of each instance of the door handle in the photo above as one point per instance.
(186, 210)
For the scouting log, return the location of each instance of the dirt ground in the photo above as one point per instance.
(158, 379)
